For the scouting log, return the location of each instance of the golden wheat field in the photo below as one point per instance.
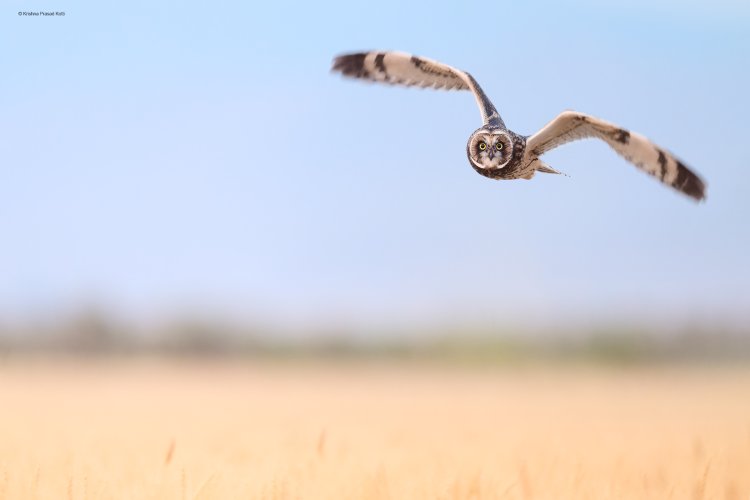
(185, 430)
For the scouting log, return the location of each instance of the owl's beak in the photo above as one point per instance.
(491, 154)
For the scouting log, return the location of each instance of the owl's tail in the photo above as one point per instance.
(546, 169)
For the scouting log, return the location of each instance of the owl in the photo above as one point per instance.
(496, 152)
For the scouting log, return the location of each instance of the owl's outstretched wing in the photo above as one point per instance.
(638, 150)
(405, 69)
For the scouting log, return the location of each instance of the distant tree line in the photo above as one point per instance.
(95, 333)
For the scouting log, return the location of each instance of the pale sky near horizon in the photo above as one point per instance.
(157, 159)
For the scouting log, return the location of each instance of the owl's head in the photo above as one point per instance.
(490, 149)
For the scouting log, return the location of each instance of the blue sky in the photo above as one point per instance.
(183, 157)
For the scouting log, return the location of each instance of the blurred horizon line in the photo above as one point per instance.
(94, 332)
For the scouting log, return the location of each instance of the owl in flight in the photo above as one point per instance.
(496, 152)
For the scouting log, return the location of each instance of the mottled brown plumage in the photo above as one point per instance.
(517, 157)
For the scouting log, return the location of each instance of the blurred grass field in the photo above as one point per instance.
(148, 428)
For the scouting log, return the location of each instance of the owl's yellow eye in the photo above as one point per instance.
(499, 146)
(482, 146)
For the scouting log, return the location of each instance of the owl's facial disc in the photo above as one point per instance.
(490, 150)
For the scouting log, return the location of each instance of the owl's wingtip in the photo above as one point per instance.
(352, 64)
(695, 188)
